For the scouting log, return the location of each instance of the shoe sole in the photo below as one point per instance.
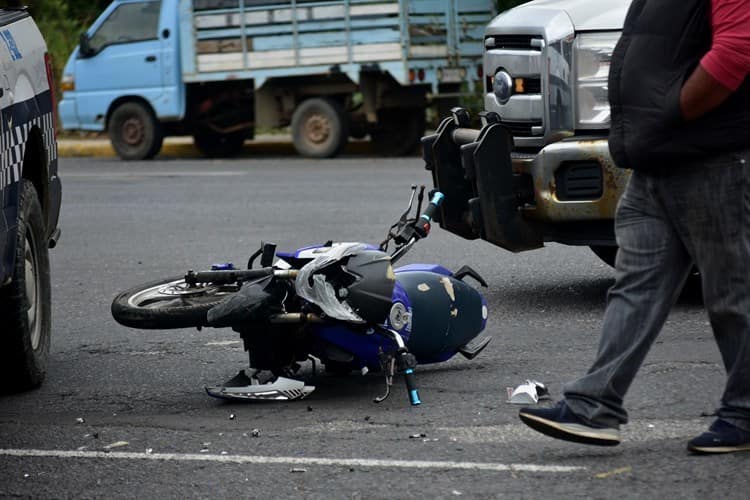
(706, 450)
(572, 432)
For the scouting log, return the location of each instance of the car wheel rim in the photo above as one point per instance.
(178, 293)
(132, 131)
(31, 279)
(318, 129)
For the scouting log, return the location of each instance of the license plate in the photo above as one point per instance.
(451, 75)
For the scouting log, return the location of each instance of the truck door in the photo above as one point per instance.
(125, 58)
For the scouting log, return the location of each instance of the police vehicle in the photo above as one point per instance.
(30, 195)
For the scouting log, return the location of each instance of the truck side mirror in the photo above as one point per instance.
(84, 47)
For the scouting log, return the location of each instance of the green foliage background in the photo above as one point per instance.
(62, 21)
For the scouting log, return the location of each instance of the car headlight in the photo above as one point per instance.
(593, 55)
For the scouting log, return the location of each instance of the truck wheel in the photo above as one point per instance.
(25, 302)
(319, 128)
(606, 253)
(399, 131)
(216, 145)
(134, 132)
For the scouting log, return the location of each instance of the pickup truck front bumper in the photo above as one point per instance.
(567, 192)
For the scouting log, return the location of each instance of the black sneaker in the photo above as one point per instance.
(561, 423)
(721, 437)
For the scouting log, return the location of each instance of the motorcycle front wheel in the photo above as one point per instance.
(168, 303)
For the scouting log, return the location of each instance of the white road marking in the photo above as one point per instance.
(223, 343)
(155, 173)
(261, 460)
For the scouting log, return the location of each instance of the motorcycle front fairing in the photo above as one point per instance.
(435, 314)
(445, 313)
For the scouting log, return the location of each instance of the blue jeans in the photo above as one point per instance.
(666, 222)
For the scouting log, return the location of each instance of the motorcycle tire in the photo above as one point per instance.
(168, 304)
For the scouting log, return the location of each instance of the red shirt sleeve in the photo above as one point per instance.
(728, 61)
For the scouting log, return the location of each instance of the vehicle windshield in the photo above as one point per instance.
(130, 22)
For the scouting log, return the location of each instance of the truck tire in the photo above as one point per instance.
(135, 132)
(399, 131)
(216, 145)
(25, 303)
(319, 128)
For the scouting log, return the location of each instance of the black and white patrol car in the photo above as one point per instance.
(29, 200)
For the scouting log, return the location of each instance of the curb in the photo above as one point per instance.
(181, 148)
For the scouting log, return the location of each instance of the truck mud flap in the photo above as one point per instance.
(474, 170)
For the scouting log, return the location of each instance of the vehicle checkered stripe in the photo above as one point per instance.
(13, 147)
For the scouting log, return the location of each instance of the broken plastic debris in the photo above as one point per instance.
(79, 420)
(529, 392)
(255, 433)
(298, 469)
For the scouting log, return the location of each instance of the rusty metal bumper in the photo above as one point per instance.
(567, 192)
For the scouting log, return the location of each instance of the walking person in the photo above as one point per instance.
(680, 100)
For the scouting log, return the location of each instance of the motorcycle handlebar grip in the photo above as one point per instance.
(422, 227)
(411, 387)
(435, 202)
(229, 276)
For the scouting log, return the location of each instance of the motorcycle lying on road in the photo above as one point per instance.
(340, 303)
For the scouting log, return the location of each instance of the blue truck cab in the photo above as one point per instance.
(219, 69)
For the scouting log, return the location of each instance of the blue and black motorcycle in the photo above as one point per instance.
(343, 304)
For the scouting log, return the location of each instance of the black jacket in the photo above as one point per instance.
(661, 44)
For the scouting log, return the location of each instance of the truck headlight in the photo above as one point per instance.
(67, 83)
(593, 55)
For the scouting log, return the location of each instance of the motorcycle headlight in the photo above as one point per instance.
(593, 55)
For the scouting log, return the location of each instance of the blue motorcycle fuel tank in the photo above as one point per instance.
(444, 313)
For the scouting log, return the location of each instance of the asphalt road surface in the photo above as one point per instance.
(123, 412)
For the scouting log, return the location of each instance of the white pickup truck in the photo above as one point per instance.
(30, 196)
(539, 169)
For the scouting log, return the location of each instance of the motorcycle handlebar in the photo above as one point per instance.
(425, 220)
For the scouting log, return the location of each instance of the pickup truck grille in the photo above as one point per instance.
(521, 129)
(512, 42)
(580, 180)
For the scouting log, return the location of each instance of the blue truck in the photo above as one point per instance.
(220, 69)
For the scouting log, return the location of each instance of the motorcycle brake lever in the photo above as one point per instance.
(388, 380)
